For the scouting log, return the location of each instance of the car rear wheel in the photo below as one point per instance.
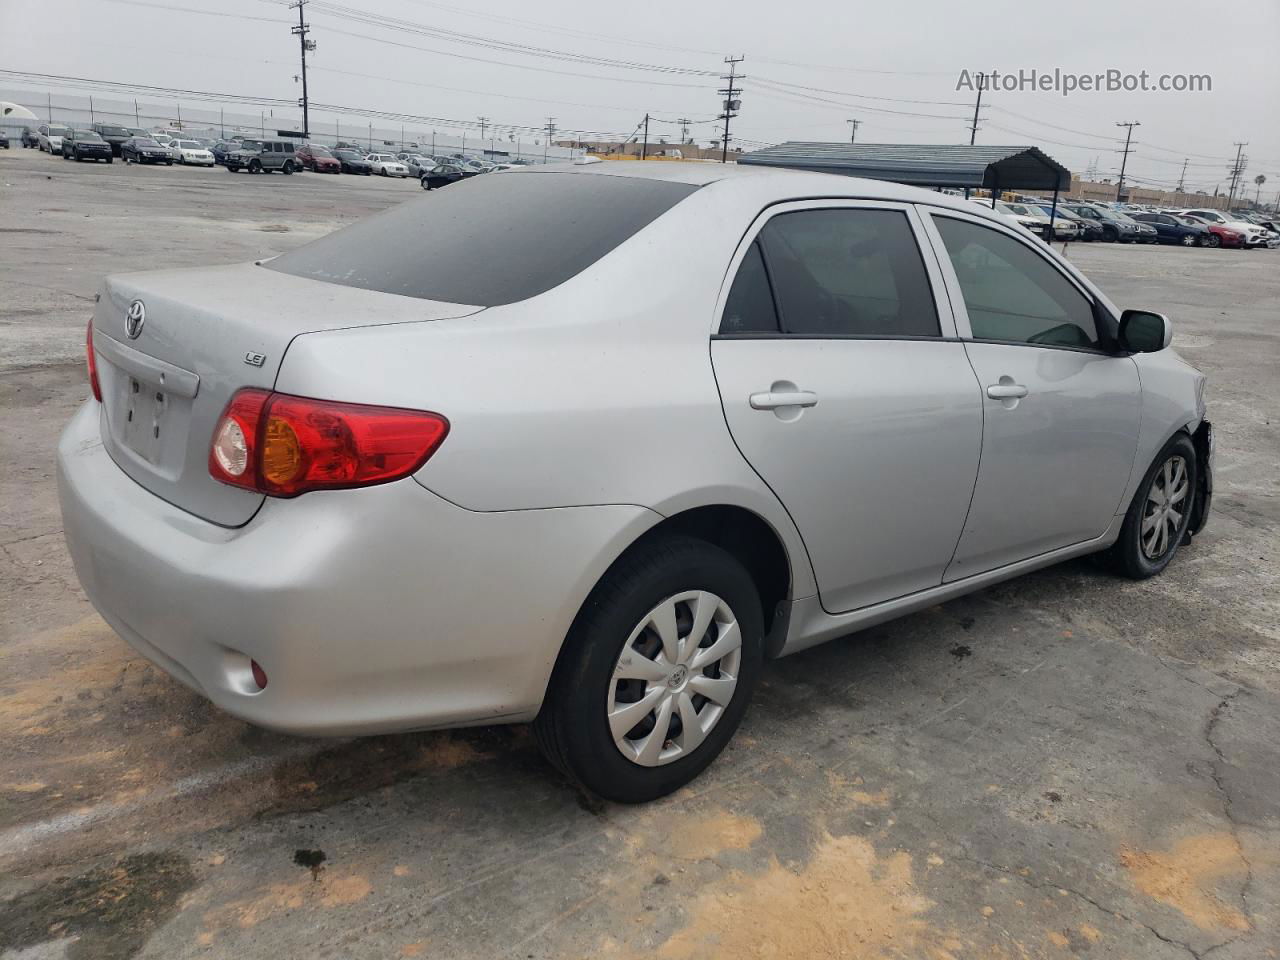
(1160, 513)
(287, 169)
(656, 672)
(1189, 240)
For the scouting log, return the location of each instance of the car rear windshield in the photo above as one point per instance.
(487, 240)
(114, 132)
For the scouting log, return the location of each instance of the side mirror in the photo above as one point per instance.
(1142, 331)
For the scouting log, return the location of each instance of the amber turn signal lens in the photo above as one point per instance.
(281, 453)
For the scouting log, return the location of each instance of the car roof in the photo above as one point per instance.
(770, 183)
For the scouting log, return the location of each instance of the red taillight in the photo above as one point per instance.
(284, 446)
(93, 364)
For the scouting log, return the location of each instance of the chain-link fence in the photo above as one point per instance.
(210, 120)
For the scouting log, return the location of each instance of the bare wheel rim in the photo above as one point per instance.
(1165, 507)
(674, 678)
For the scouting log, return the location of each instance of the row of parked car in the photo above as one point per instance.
(1090, 220)
(106, 142)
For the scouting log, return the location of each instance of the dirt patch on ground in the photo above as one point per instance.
(701, 838)
(108, 913)
(847, 902)
(1186, 878)
(329, 890)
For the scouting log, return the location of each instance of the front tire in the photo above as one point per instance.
(656, 672)
(1160, 513)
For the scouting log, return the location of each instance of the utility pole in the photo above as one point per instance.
(551, 132)
(137, 118)
(91, 111)
(973, 129)
(644, 147)
(731, 103)
(301, 31)
(684, 129)
(1182, 176)
(853, 131)
(484, 125)
(1236, 169)
(1128, 125)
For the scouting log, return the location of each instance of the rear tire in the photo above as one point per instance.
(1158, 517)
(677, 581)
(287, 169)
(1189, 240)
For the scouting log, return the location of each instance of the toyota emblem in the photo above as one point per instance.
(134, 318)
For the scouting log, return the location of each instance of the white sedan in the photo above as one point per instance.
(192, 152)
(388, 165)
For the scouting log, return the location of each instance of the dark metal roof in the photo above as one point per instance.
(922, 165)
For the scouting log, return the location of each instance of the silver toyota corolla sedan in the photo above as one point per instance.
(633, 429)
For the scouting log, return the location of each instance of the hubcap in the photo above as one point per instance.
(674, 678)
(1163, 512)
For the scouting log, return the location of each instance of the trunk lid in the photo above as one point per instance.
(205, 333)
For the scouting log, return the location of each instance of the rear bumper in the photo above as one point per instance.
(372, 610)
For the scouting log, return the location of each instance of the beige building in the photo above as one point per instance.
(1105, 190)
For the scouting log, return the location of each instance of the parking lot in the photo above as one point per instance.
(1065, 764)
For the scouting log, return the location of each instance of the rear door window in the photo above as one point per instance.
(1011, 293)
(509, 238)
(848, 273)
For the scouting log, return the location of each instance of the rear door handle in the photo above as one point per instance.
(771, 400)
(1006, 391)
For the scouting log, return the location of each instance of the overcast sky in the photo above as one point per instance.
(838, 57)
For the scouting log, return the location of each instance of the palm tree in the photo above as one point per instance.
(1260, 179)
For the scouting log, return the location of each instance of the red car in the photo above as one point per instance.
(314, 157)
(1220, 236)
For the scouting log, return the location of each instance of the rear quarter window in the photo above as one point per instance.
(488, 240)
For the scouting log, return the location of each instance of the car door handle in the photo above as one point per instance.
(1006, 391)
(773, 400)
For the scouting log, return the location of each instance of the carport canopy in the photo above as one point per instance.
(923, 165)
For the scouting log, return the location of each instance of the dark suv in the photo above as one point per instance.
(85, 145)
(262, 156)
(115, 136)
